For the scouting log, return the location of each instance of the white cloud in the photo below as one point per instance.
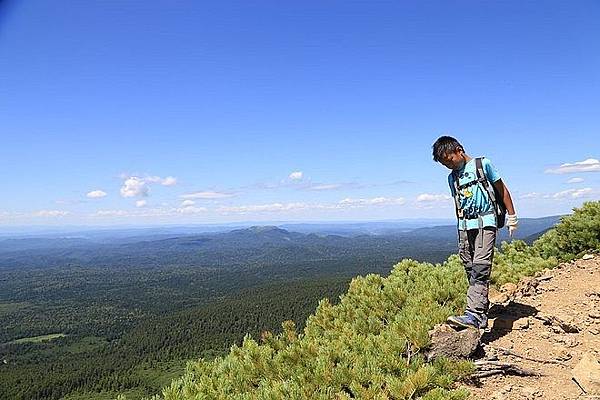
(134, 186)
(430, 198)
(589, 165)
(141, 203)
(296, 175)
(96, 194)
(343, 204)
(573, 193)
(297, 180)
(50, 213)
(262, 208)
(111, 213)
(575, 180)
(168, 181)
(207, 195)
(187, 203)
(191, 210)
(530, 195)
(324, 186)
(150, 212)
(376, 201)
(426, 201)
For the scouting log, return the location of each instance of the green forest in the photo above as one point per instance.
(369, 344)
(88, 320)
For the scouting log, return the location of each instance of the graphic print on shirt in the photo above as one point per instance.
(472, 197)
(467, 200)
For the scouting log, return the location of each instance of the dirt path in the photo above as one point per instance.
(553, 317)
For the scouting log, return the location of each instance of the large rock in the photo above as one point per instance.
(587, 374)
(448, 342)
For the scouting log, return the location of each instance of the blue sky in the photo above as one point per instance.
(204, 112)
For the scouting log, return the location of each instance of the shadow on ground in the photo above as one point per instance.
(504, 318)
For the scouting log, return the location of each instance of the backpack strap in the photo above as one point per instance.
(482, 178)
(459, 211)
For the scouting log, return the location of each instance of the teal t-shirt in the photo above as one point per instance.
(474, 199)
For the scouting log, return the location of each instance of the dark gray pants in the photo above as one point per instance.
(476, 251)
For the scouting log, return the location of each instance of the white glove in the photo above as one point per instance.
(511, 223)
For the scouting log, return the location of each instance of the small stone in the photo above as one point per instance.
(521, 323)
(587, 257)
(508, 322)
(509, 288)
(528, 285)
(595, 315)
(594, 331)
(562, 354)
(556, 329)
(569, 341)
(545, 277)
(545, 335)
(502, 394)
(497, 297)
(587, 374)
(530, 392)
(568, 325)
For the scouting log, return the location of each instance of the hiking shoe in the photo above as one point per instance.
(464, 321)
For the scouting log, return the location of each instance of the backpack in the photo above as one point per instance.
(499, 209)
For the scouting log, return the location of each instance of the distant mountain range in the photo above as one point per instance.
(528, 230)
(248, 245)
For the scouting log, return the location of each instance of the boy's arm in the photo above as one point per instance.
(505, 194)
(510, 208)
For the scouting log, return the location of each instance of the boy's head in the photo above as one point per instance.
(449, 152)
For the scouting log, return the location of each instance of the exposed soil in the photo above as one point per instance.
(553, 319)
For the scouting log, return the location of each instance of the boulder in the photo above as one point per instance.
(448, 342)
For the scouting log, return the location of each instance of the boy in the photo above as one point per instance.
(477, 223)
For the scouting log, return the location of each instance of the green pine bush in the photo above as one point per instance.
(369, 345)
(576, 234)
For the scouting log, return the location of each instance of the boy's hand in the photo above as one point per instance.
(511, 223)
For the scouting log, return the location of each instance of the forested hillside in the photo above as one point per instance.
(369, 345)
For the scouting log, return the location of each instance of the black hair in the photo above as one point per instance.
(445, 144)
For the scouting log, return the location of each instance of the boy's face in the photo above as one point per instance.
(453, 160)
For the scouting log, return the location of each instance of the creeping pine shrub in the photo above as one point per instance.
(368, 346)
(515, 260)
(574, 235)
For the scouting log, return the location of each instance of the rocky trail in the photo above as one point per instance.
(544, 339)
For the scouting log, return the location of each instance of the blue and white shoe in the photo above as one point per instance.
(464, 321)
